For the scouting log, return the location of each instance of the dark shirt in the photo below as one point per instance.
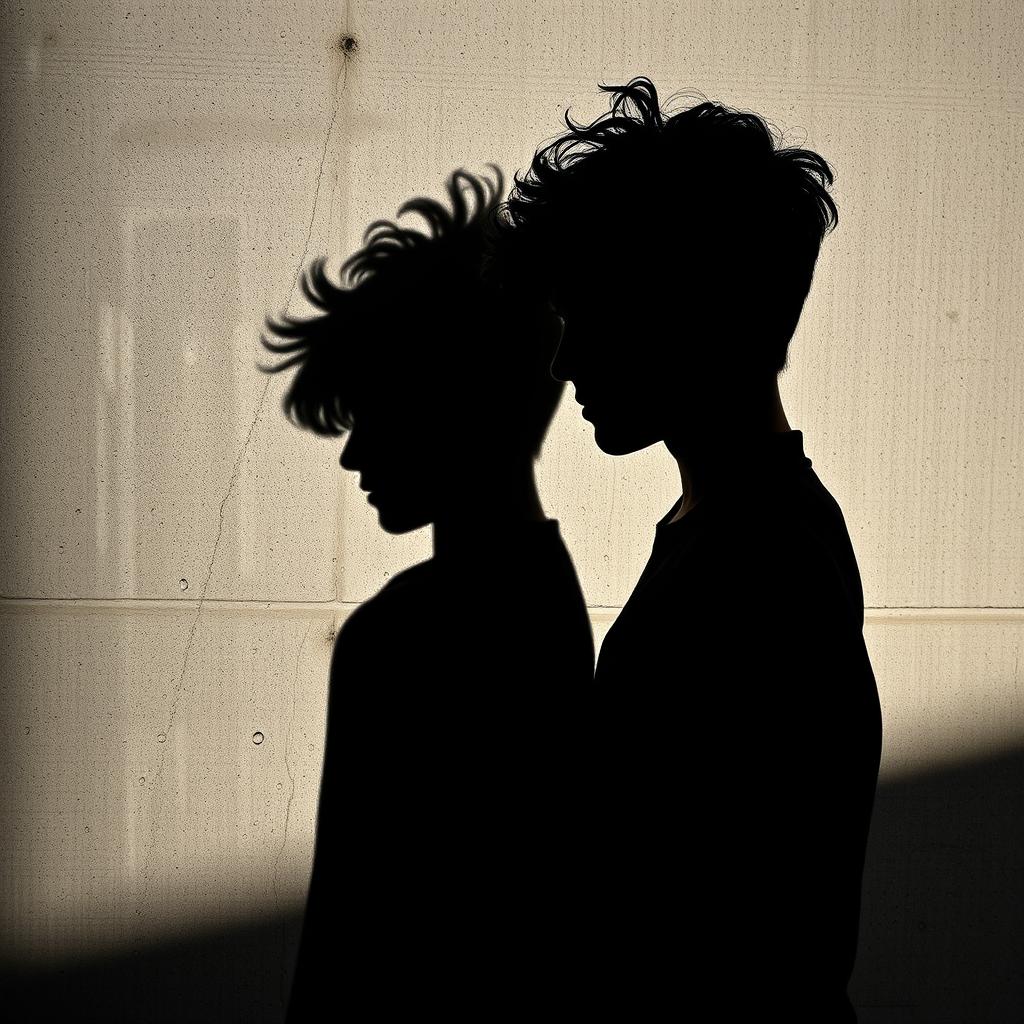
(737, 736)
(452, 694)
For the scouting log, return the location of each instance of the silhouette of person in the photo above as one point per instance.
(736, 719)
(453, 689)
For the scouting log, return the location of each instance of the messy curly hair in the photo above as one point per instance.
(708, 191)
(417, 319)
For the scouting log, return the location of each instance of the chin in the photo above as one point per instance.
(622, 442)
(399, 524)
(394, 521)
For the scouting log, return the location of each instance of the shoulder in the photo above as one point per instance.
(768, 572)
(387, 614)
(408, 585)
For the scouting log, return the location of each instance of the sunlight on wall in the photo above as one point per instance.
(177, 558)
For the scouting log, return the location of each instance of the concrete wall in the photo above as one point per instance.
(176, 558)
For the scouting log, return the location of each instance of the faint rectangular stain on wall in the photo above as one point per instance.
(185, 291)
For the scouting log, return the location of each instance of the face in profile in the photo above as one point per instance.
(641, 355)
(609, 353)
(388, 448)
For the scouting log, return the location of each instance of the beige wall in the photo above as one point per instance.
(176, 557)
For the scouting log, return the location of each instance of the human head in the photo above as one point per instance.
(436, 370)
(679, 249)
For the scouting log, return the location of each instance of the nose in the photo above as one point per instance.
(350, 454)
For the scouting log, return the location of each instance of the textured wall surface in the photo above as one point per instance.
(176, 558)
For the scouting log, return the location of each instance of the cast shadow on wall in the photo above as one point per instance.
(942, 927)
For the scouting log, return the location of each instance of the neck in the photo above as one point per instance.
(700, 454)
(485, 503)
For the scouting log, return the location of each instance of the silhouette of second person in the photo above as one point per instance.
(452, 691)
(735, 729)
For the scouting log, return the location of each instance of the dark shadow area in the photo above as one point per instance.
(942, 929)
(942, 926)
(236, 975)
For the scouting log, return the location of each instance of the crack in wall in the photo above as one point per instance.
(287, 817)
(288, 766)
(180, 687)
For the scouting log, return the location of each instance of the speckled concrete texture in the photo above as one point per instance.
(177, 558)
